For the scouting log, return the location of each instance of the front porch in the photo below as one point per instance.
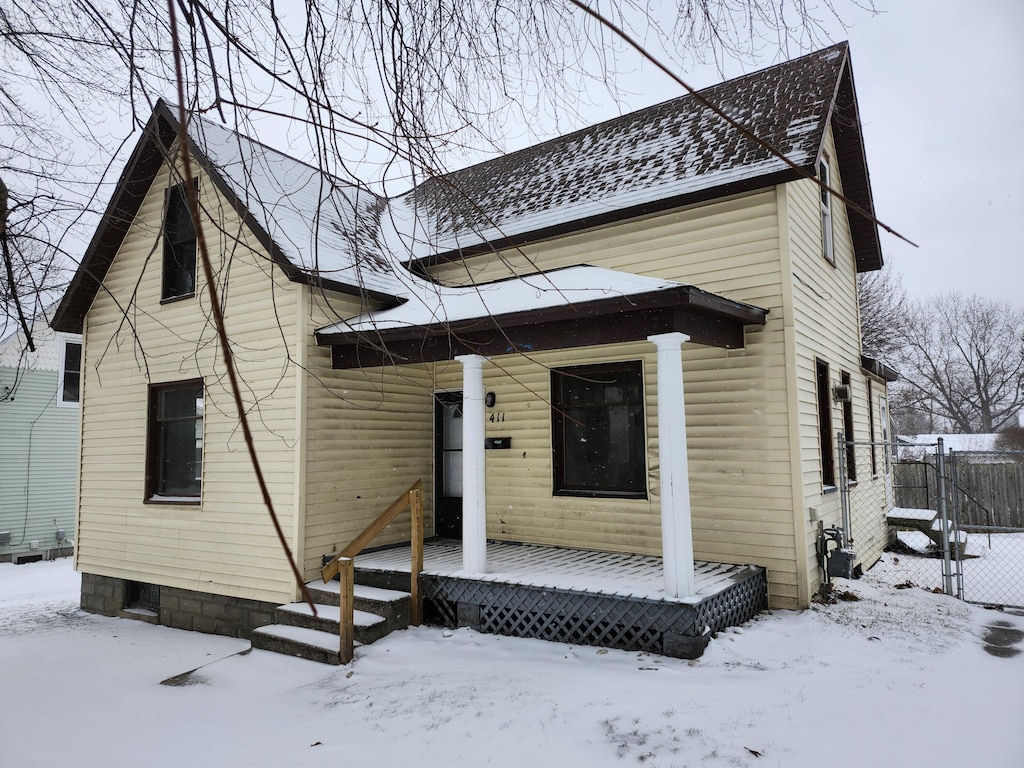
(606, 599)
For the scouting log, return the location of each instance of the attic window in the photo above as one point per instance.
(69, 380)
(179, 271)
(825, 176)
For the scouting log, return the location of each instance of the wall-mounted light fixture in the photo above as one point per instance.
(490, 399)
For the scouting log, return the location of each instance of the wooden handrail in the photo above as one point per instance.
(341, 565)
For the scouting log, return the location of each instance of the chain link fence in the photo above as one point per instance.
(960, 516)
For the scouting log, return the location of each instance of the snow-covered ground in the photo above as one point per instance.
(900, 677)
(993, 569)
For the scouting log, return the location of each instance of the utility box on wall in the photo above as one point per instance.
(840, 563)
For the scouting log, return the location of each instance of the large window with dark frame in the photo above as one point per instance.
(179, 266)
(828, 464)
(598, 430)
(174, 465)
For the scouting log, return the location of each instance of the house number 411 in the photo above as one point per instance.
(500, 416)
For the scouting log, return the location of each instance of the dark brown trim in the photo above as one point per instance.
(534, 332)
(879, 369)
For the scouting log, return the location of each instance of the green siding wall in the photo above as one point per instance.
(38, 463)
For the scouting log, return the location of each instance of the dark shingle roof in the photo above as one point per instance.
(674, 153)
(669, 154)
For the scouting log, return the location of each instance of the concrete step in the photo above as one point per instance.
(302, 642)
(367, 627)
(297, 632)
(393, 605)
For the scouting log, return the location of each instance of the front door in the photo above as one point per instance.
(448, 464)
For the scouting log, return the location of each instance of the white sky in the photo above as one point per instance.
(941, 90)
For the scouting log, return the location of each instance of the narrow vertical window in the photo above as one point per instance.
(175, 460)
(826, 210)
(69, 385)
(828, 467)
(871, 428)
(179, 269)
(851, 453)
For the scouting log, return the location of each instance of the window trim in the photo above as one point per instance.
(871, 427)
(825, 449)
(828, 248)
(169, 248)
(62, 371)
(560, 487)
(152, 494)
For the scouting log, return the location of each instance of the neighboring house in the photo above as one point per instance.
(539, 298)
(39, 393)
(923, 447)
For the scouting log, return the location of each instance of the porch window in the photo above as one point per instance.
(179, 269)
(597, 417)
(175, 456)
(828, 464)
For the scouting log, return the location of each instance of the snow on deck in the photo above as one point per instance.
(609, 573)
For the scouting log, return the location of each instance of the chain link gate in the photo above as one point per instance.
(975, 521)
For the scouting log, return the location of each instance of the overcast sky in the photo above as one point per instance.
(941, 90)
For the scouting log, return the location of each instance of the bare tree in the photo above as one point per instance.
(963, 361)
(883, 308)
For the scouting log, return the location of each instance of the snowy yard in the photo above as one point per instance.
(993, 569)
(900, 677)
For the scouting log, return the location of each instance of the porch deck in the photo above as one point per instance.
(576, 596)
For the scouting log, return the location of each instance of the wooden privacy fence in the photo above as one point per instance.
(341, 565)
(989, 493)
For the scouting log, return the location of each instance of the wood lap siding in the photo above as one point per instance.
(736, 406)
(227, 544)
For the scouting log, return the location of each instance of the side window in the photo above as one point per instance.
(851, 451)
(828, 464)
(179, 267)
(825, 176)
(174, 464)
(70, 379)
(871, 427)
(597, 417)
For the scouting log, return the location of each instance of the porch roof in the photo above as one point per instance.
(557, 309)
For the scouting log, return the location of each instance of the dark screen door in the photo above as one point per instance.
(448, 464)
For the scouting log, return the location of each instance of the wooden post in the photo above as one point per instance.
(346, 601)
(416, 606)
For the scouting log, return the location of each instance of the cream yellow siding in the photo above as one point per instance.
(369, 436)
(736, 405)
(826, 326)
(226, 544)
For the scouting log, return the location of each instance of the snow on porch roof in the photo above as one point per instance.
(544, 310)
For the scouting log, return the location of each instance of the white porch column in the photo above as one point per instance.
(676, 527)
(474, 502)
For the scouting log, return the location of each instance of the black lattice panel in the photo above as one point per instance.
(571, 616)
(735, 605)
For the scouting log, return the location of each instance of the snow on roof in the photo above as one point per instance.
(322, 225)
(666, 151)
(427, 303)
